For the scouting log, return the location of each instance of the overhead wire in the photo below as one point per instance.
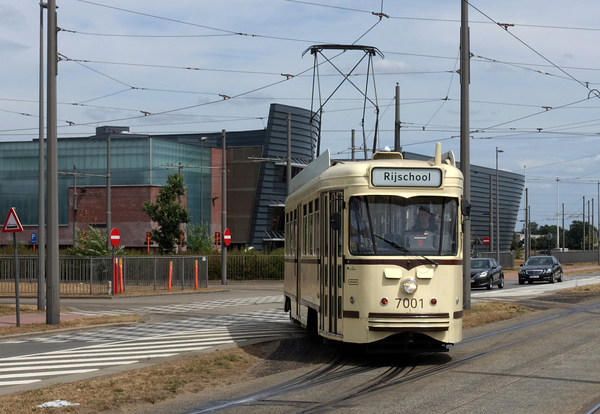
(596, 93)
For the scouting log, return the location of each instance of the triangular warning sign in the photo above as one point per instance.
(12, 223)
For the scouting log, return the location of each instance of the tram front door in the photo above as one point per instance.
(332, 267)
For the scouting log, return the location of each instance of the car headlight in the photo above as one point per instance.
(483, 274)
(410, 285)
(547, 271)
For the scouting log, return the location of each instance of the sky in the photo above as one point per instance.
(195, 66)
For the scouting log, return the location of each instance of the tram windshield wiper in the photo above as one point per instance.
(404, 249)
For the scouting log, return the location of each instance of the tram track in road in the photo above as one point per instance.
(340, 368)
(342, 375)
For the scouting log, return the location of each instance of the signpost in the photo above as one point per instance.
(33, 240)
(226, 237)
(115, 238)
(13, 225)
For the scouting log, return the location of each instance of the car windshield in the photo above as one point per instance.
(537, 261)
(396, 226)
(480, 264)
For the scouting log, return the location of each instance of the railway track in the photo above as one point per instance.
(348, 378)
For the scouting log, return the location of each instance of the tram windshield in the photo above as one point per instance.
(386, 225)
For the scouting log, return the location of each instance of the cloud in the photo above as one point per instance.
(391, 66)
(9, 49)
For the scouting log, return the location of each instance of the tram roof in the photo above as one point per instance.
(348, 168)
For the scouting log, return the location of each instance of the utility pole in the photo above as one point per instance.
(288, 166)
(557, 217)
(108, 218)
(202, 180)
(397, 146)
(497, 209)
(465, 152)
(563, 226)
(592, 232)
(41, 297)
(53, 286)
(491, 217)
(353, 140)
(589, 228)
(583, 223)
(74, 203)
(527, 231)
(224, 211)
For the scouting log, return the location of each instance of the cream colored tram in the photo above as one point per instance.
(373, 251)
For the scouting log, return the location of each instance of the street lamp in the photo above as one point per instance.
(497, 211)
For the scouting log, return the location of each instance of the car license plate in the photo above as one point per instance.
(534, 277)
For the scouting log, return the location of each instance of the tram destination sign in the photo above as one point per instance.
(406, 177)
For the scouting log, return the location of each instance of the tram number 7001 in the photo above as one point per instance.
(410, 303)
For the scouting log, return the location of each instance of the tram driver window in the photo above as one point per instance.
(389, 225)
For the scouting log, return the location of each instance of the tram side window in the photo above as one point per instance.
(305, 227)
(317, 227)
(287, 234)
(310, 229)
(294, 234)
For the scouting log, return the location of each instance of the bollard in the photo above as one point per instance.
(170, 274)
(109, 288)
(121, 273)
(116, 274)
(196, 279)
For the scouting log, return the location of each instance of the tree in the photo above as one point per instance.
(168, 212)
(575, 234)
(199, 239)
(534, 227)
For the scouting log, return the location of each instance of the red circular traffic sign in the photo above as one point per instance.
(486, 240)
(115, 237)
(226, 237)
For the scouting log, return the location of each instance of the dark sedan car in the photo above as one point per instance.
(486, 273)
(540, 269)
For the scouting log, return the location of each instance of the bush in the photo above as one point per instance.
(199, 239)
(92, 242)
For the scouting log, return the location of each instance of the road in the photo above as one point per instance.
(177, 325)
(514, 366)
(512, 289)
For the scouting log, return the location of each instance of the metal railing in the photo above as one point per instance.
(89, 275)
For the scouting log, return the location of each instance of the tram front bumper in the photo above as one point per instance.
(409, 322)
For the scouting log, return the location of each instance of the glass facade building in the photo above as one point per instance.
(134, 160)
(256, 183)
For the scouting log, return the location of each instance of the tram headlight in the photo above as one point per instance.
(410, 285)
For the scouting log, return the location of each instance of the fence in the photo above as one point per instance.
(507, 259)
(576, 257)
(89, 275)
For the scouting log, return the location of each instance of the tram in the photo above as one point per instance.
(373, 251)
